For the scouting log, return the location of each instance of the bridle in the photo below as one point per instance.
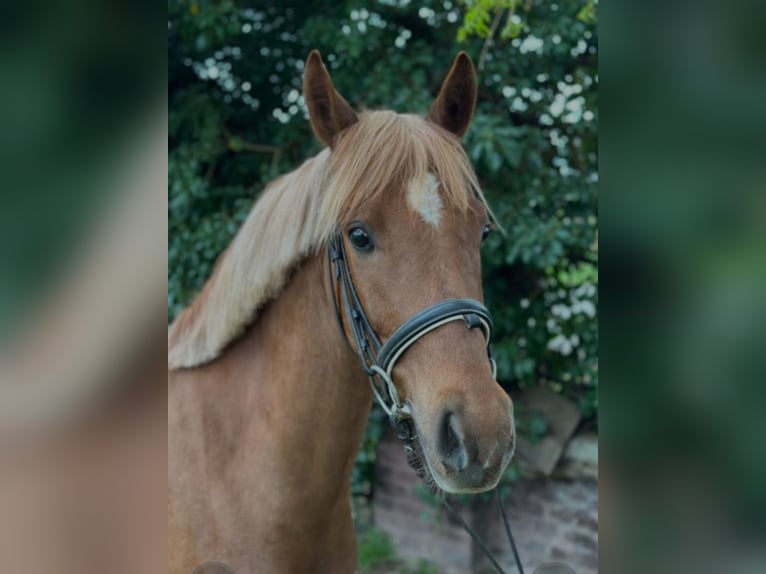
(379, 359)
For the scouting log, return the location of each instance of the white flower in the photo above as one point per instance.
(561, 311)
(560, 344)
(586, 290)
(588, 308)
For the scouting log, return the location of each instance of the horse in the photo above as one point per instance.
(374, 242)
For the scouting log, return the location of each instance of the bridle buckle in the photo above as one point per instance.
(402, 422)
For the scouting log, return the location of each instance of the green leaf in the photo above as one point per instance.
(512, 30)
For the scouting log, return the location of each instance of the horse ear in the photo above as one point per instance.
(329, 113)
(454, 106)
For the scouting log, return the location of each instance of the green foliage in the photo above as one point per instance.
(483, 17)
(534, 145)
(376, 555)
(363, 476)
(423, 567)
(531, 424)
(374, 550)
(237, 120)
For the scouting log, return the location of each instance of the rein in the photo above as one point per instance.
(379, 359)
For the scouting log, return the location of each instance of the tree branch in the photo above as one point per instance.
(236, 143)
(490, 38)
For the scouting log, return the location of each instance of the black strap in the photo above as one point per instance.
(487, 552)
(366, 342)
(456, 516)
(508, 532)
(414, 326)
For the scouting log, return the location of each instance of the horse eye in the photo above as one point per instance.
(360, 239)
(485, 232)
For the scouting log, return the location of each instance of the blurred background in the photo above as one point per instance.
(237, 120)
(682, 179)
(683, 330)
(83, 198)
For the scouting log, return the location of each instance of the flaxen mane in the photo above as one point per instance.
(298, 212)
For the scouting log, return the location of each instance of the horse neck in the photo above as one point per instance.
(304, 388)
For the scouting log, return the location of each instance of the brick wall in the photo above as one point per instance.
(553, 519)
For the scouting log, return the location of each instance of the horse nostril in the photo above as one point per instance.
(451, 446)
